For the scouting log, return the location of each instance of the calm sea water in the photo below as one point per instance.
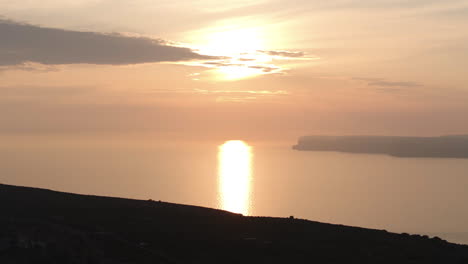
(397, 194)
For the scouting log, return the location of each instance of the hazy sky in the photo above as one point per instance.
(233, 69)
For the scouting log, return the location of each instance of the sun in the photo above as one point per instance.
(232, 41)
(238, 48)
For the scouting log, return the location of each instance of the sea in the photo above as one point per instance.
(413, 195)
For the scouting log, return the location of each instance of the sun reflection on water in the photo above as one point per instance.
(235, 176)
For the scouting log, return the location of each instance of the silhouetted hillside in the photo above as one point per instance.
(455, 146)
(42, 226)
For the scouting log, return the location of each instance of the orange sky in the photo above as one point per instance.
(244, 69)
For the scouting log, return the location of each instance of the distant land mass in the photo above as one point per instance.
(452, 146)
(43, 226)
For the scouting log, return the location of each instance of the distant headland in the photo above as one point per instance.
(451, 146)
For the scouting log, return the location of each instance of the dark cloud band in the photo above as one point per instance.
(20, 43)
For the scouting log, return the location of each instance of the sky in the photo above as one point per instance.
(239, 69)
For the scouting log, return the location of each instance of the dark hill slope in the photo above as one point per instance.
(42, 226)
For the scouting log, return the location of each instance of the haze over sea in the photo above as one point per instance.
(414, 195)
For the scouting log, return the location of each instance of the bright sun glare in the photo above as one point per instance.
(233, 42)
(238, 72)
(235, 176)
(240, 46)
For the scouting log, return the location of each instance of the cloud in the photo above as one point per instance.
(255, 63)
(256, 92)
(284, 53)
(23, 43)
(367, 79)
(223, 63)
(242, 95)
(394, 84)
(266, 68)
(25, 91)
(388, 84)
(29, 66)
(246, 59)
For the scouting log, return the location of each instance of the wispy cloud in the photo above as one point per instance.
(30, 66)
(236, 99)
(266, 68)
(388, 84)
(394, 84)
(23, 43)
(43, 91)
(254, 63)
(262, 92)
(242, 95)
(284, 53)
(30, 47)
